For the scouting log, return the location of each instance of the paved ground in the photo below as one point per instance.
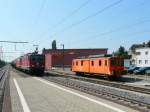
(32, 94)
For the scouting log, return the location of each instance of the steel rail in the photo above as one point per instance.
(115, 84)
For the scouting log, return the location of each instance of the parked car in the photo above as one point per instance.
(132, 69)
(141, 70)
(147, 72)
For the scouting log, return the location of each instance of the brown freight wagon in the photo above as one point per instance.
(102, 65)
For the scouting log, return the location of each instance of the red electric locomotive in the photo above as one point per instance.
(32, 62)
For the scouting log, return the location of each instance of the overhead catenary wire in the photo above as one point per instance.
(72, 13)
(126, 27)
(88, 17)
(63, 20)
(40, 11)
(36, 21)
(121, 28)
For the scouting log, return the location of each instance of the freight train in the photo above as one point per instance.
(31, 62)
(102, 65)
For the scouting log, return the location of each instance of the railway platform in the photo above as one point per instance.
(35, 94)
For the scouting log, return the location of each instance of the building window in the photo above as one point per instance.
(146, 52)
(81, 63)
(105, 62)
(92, 63)
(77, 63)
(146, 61)
(138, 53)
(140, 61)
(100, 62)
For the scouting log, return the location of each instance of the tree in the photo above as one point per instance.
(148, 43)
(121, 52)
(2, 63)
(54, 45)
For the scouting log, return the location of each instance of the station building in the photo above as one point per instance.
(141, 57)
(63, 57)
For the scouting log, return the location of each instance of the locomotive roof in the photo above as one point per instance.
(102, 55)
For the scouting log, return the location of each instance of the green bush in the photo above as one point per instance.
(2, 63)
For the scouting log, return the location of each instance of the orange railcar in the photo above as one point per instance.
(101, 65)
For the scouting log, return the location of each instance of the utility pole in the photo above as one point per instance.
(63, 56)
(14, 42)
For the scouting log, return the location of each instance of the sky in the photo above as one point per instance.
(74, 23)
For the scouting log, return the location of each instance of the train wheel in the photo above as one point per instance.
(110, 78)
(79, 73)
(82, 74)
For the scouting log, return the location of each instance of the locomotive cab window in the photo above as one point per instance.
(112, 62)
(32, 58)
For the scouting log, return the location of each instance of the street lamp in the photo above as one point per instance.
(63, 56)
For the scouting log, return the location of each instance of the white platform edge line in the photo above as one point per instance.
(79, 95)
(22, 99)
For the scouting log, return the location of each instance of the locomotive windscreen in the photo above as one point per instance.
(37, 58)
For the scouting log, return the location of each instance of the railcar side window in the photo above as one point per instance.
(105, 62)
(92, 63)
(100, 62)
(77, 63)
(81, 63)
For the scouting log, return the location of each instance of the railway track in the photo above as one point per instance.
(3, 87)
(119, 85)
(2, 77)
